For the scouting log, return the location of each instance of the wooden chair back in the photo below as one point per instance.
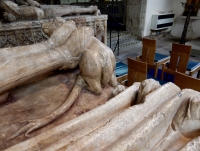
(185, 81)
(179, 57)
(123, 79)
(148, 50)
(137, 71)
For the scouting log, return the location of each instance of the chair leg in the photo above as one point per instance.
(162, 75)
(163, 70)
(156, 71)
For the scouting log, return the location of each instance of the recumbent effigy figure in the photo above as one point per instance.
(66, 48)
(32, 10)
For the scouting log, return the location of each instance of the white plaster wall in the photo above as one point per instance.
(156, 7)
(178, 9)
(193, 31)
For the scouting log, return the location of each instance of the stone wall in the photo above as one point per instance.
(133, 16)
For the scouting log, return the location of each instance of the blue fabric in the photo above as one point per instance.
(120, 65)
(167, 77)
(159, 57)
(121, 69)
(192, 65)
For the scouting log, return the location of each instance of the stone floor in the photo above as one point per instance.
(164, 44)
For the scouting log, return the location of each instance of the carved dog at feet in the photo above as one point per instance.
(67, 47)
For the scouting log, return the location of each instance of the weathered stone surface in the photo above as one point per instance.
(167, 119)
(193, 145)
(121, 125)
(26, 21)
(34, 11)
(146, 87)
(40, 98)
(70, 131)
(67, 48)
(151, 130)
(133, 17)
(183, 128)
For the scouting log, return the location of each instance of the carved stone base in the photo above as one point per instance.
(30, 32)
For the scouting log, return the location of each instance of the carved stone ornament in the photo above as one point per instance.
(30, 32)
(26, 20)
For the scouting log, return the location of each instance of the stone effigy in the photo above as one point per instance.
(39, 98)
(66, 48)
(30, 32)
(31, 10)
(168, 119)
(24, 27)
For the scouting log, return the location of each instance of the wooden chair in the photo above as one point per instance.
(123, 79)
(149, 55)
(185, 81)
(193, 67)
(137, 71)
(121, 71)
(178, 61)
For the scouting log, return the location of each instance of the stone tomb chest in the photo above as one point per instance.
(29, 32)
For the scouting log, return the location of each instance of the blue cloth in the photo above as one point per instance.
(120, 65)
(159, 57)
(168, 78)
(121, 69)
(160, 81)
(192, 65)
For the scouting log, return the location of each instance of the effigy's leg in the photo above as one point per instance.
(60, 11)
(33, 60)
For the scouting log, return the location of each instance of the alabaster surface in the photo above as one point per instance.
(117, 125)
(68, 47)
(40, 97)
(32, 10)
(168, 119)
(21, 21)
(60, 136)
